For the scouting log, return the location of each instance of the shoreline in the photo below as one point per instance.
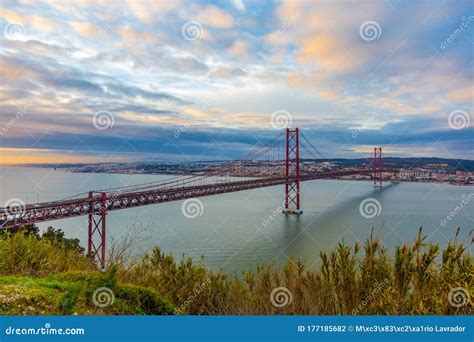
(111, 172)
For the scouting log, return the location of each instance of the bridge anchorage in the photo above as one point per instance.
(280, 163)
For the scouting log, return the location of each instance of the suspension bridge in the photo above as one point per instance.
(281, 161)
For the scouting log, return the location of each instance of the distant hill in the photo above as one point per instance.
(449, 165)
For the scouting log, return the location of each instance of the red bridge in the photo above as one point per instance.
(280, 161)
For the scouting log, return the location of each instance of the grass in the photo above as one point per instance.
(72, 294)
(41, 275)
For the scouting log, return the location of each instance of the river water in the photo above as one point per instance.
(237, 231)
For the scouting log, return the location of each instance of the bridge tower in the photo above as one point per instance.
(96, 228)
(292, 172)
(377, 167)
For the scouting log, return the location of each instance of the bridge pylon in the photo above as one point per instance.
(96, 232)
(292, 173)
(377, 164)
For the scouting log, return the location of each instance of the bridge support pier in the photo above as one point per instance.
(292, 173)
(377, 167)
(97, 229)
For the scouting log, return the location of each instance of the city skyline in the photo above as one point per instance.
(160, 81)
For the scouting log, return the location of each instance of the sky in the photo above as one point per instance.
(124, 81)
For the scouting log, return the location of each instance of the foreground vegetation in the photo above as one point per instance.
(52, 275)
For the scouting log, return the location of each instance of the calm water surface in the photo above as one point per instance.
(239, 230)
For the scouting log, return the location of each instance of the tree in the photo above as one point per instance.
(56, 236)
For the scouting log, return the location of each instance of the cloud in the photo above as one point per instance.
(239, 4)
(253, 58)
(211, 15)
(44, 24)
(119, 89)
(227, 72)
(10, 16)
(326, 51)
(462, 94)
(85, 29)
(150, 10)
(238, 48)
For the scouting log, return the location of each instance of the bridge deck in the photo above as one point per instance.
(49, 211)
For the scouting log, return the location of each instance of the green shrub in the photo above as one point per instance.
(361, 280)
(143, 300)
(25, 253)
(412, 282)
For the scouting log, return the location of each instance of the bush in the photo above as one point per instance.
(416, 280)
(411, 283)
(27, 254)
(57, 295)
(143, 301)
